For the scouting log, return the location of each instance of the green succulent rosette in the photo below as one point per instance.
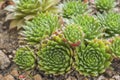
(73, 34)
(26, 8)
(111, 23)
(55, 57)
(104, 5)
(72, 8)
(33, 7)
(93, 59)
(41, 27)
(25, 58)
(90, 26)
(115, 47)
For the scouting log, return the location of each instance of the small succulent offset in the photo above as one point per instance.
(115, 47)
(40, 27)
(55, 57)
(72, 8)
(104, 5)
(111, 23)
(73, 34)
(90, 26)
(25, 58)
(27, 9)
(92, 60)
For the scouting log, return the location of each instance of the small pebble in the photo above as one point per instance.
(37, 77)
(13, 51)
(71, 78)
(14, 72)
(109, 73)
(10, 56)
(102, 78)
(4, 60)
(1, 76)
(112, 79)
(21, 77)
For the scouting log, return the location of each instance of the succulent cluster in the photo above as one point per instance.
(60, 47)
(25, 58)
(55, 57)
(104, 5)
(93, 58)
(90, 26)
(40, 27)
(73, 34)
(72, 8)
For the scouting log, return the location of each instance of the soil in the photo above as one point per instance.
(9, 44)
(8, 38)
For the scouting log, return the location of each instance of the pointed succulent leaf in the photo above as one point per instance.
(16, 22)
(55, 57)
(50, 6)
(25, 58)
(91, 59)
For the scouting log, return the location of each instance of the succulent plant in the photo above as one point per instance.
(25, 58)
(90, 26)
(25, 8)
(72, 8)
(40, 27)
(111, 23)
(55, 57)
(104, 5)
(73, 34)
(28, 9)
(23, 11)
(115, 47)
(92, 59)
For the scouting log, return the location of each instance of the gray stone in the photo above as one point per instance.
(4, 60)
(14, 72)
(102, 78)
(109, 73)
(116, 77)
